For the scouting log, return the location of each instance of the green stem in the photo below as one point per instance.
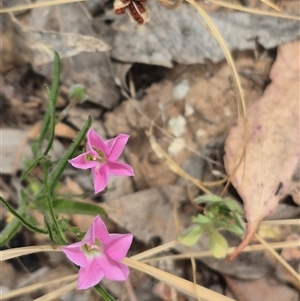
(104, 293)
(49, 200)
(52, 97)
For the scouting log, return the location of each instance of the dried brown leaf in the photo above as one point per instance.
(272, 150)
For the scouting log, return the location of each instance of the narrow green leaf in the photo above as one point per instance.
(51, 124)
(75, 207)
(191, 235)
(56, 79)
(102, 292)
(60, 167)
(16, 214)
(218, 244)
(33, 165)
(52, 98)
(208, 198)
(13, 227)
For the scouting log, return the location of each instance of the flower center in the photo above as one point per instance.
(92, 250)
(101, 158)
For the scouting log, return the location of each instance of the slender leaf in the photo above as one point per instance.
(56, 78)
(60, 167)
(12, 228)
(75, 207)
(53, 92)
(16, 214)
(51, 124)
(33, 165)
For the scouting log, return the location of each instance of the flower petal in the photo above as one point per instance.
(116, 146)
(82, 163)
(100, 177)
(119, 245)
(94, 140)
(120, 169)
(75, 254)
(113, 270)
(100, 230)
(90, 275)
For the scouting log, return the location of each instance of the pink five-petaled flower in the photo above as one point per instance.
(101, 156)
(99, 255)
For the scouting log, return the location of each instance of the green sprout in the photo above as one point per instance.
(218, 214)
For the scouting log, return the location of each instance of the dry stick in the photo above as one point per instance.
(254, 11)
(277, 256)
(36, 5)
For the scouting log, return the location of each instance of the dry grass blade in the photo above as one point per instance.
(155, 250)
(282, 222)
(272, 5)
(254, 11)
(17, 252)
(250, 248)
(58, 293)
(278, 257)
(36, 5)
(34, 287)
(174, 166)
(241, 105)
(178, 283)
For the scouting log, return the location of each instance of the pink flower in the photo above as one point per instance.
(101, 156)
(99, 255)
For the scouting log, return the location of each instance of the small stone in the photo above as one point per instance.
(188, 110)
(177, 125)
(181, 90)
(200, 133)
(176, 146)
